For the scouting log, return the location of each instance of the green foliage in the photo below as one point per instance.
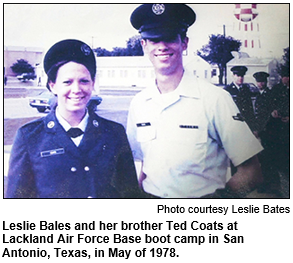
(22, 66)
(284, 66)
(102, 52)
(218, 52)
(133, 48)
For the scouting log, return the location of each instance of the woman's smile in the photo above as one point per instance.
(73, 87)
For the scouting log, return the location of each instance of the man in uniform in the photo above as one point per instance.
(242, 95)
(264, 106)
(182, 129)
(278, 128)
(263, 102)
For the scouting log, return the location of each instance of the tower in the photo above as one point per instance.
(247, 27)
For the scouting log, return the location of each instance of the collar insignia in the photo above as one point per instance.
(238, 117)
(51, 124)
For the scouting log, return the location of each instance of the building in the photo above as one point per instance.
(124, 71)
(134, 72)
(198, 66)
(34, 56)
(253, 65)
(138, 71)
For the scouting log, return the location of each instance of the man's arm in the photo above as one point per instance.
(245, 180)
(247, 177)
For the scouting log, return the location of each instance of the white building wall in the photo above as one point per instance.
(138, 71)
(254, 65)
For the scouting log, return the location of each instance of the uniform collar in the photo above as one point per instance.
(53, 123)
(265, 90)
(237, 86)
(67, 126)
(92, 136)
(188, 87)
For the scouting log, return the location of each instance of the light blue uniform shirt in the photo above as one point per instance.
(186, 138)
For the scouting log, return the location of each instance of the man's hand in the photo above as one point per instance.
(275, 114)
(285, 119)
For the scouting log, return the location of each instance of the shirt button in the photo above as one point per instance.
(86, 168)
(73, 169)
(165, 195)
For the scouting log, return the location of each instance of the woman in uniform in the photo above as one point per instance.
(72, 152)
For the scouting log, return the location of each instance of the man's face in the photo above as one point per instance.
(286, 81)
(238, 79)
(165, 54)
(261, 85)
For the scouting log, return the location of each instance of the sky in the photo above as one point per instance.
(108, 25)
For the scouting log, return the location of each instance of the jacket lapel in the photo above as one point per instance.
(93, 134)
(58, 135)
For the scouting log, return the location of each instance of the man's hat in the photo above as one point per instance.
(239, 70)
(162, 20)
(70, 50)
(261, 76)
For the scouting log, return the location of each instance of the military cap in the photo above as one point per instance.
(261, 76)
(70, 50)
(239, 70)
(162, 20)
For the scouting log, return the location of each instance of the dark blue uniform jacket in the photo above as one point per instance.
(45, 163)
(242, 99)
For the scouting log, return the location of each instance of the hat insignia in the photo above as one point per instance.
(85, 49)
(158, 9)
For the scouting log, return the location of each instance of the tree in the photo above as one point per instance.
(218, 52)
(286, 57)
(119, 52)
(102, 52)
(284, 66)
(133, 48)
(22, 66)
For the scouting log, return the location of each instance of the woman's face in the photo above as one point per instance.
(73, 87)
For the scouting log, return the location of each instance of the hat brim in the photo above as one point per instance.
(161, 33)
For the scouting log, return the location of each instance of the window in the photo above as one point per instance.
(214, 72)
(205, 74)
(123, 73)
(141, 74)
(111, 73)
(100, 73)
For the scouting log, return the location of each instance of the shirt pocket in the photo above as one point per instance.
(190, 134)
(186, 148)
(145, 133)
